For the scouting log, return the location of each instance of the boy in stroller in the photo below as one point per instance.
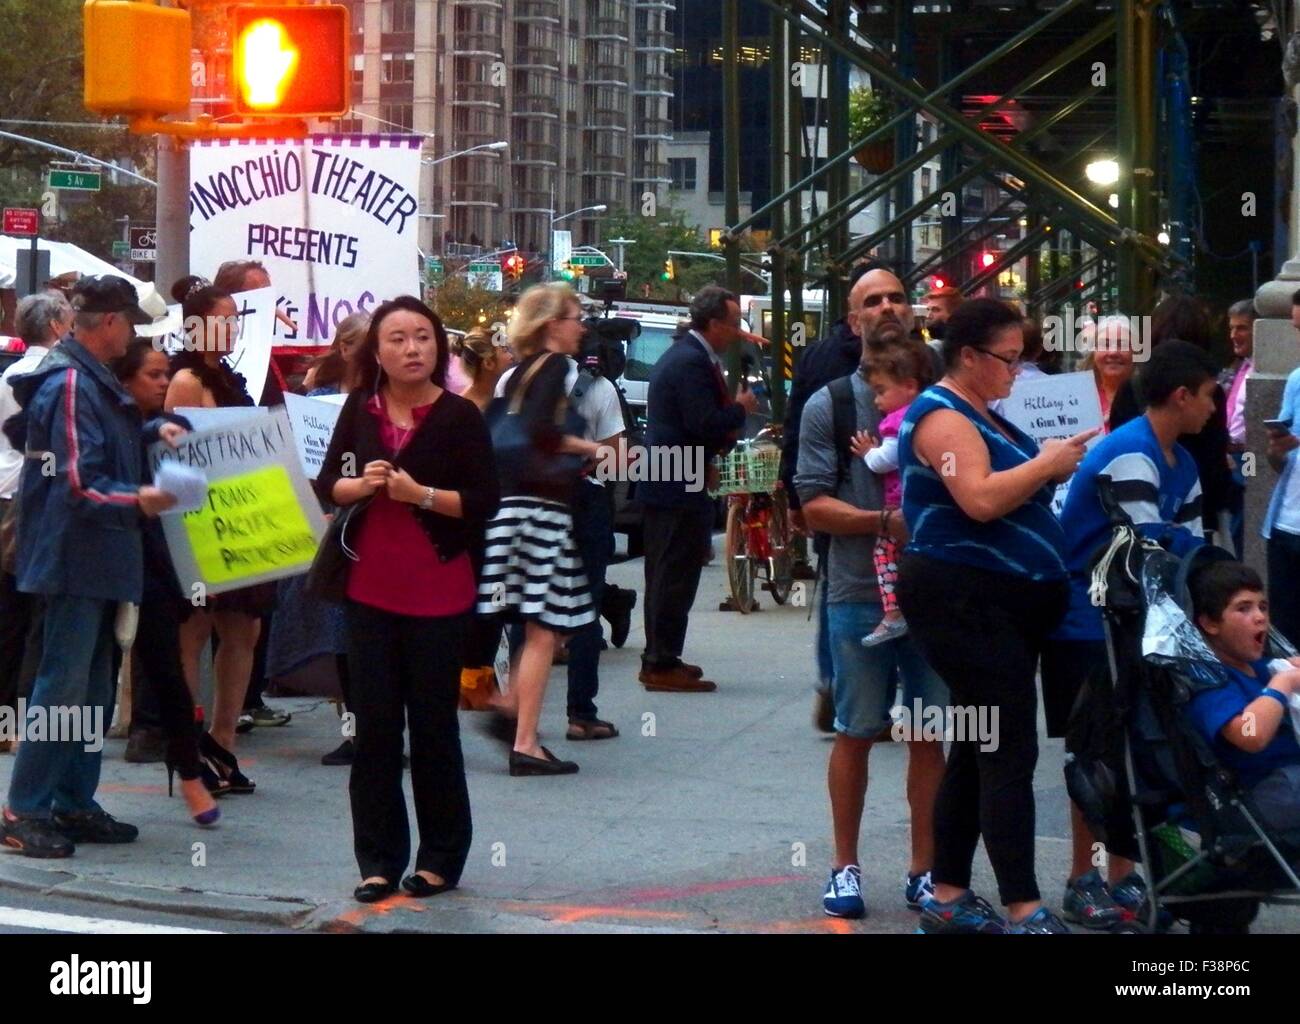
(1246, 721)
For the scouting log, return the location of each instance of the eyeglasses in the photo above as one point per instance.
(1012, 364)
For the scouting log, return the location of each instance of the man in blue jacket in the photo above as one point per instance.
(79, 547)
(688, 408)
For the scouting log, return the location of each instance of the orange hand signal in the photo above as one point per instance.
(266, 62)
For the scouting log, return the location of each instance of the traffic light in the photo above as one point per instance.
(938, 282)
(567, 273)
(669, 272)
(291, 61)
(514, 265)
(987, 259)
(137, 58)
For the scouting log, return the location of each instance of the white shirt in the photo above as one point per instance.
(11, 461)
(599, 404)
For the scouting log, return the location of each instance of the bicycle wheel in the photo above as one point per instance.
(780, 542)
(740, 570)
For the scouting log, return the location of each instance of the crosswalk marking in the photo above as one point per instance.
(15, 917)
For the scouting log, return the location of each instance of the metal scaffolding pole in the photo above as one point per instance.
(731, 157)
(794, 167)
(837, 141)
(779, 336)
(1135, 84)
(905, 135)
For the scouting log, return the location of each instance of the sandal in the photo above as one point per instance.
(590, 729)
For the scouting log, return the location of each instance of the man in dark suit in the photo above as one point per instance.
(689, 407)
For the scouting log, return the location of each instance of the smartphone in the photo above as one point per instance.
(1278, 426)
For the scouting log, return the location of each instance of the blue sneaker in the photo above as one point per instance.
(1041, 922)
(1090, 903)
(844, 893)
(1131, 894)
(918, 890)
(966, 915)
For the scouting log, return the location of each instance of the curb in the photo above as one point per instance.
(192, 902)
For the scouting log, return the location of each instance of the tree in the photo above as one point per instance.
(462, 305)
(655, 237)
(41, 82)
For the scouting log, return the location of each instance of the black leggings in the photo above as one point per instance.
(982, 632)
(158, 648)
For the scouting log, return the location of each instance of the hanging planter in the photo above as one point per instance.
(869, 110)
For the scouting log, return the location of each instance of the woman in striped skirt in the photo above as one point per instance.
(531, 569)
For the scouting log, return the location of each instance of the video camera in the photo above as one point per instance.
(603, 351)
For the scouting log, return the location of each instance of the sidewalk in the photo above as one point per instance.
(708, 814)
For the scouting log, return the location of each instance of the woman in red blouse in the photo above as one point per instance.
(420, 458)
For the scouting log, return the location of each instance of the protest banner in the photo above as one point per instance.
(1059, 406)
(333, 218)
(261, 520)
(313, 422)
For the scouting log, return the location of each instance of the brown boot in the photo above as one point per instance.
(692, 670)
(675, 680)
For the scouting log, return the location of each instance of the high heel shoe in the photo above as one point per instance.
(224, 765)
(198, 797)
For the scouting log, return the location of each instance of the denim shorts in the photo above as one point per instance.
(865, 679)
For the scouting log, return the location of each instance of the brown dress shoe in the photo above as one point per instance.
(692, 670)
(675, 680)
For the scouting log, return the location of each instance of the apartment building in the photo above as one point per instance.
(579, 89)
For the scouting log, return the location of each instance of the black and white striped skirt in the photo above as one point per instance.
(532, 569)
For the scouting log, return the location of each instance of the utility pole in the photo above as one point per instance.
(620, 243)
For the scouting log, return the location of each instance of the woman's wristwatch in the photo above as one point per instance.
(426, 502)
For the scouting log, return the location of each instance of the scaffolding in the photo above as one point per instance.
(1060, 82)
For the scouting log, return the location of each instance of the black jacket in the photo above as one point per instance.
(835, 356)
(449, 451)
(685, 409)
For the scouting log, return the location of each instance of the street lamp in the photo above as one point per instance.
(1102, 172)
(598, 208)
(462, 152)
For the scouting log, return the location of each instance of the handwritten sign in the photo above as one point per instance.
(1055, 407)
(313, 422)
(260, 521)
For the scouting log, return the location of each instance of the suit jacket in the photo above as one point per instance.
(685, 409)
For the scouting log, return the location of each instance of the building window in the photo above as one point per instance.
(397, 16)
(398, 115)
(682, 172)
(399, 67)
(351, 126)
(926, 183)
(359, 69)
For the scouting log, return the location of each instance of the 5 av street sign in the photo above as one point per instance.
(76, 181)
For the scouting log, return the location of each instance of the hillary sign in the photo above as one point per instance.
(334, 219)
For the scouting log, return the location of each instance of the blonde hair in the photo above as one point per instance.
(474, 349)
(331, 368)
(536, 308)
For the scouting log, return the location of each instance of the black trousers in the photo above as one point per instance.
(407, 670)
(1284, 583)
(162, 681)
(15, 621)
(983, 632)
(676, 545)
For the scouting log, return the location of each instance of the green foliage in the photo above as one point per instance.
(655, 237)
(41, 80)
(462, 305)
(868, 110)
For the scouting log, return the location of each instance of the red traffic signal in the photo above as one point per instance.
(291, 61)
(514, 265)
(938, 283)
(987, 259)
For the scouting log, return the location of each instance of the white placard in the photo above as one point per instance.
(1055, 406)
(313, 422)
(334, 219)
(218, 419)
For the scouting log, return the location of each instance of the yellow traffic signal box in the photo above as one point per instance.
(137, 58)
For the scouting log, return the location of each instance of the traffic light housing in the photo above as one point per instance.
(987, 259)
(137, 58)
(514, 266)
(669, 271)
(290, 61)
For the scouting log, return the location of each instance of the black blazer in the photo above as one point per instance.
(449, 451)
(685, 409)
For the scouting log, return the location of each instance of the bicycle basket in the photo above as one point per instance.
(749, 469)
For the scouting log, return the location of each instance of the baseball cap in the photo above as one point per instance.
(143, 306)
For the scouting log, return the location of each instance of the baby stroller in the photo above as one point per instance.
(1142, 775)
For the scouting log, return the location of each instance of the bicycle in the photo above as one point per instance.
(758, 536)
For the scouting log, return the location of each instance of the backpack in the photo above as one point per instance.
(844, 424)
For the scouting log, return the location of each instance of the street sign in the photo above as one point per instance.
(484, 268)
(21, 221)
(121, 248)
(76, 181)
(486, 275)
(561, 248)
(433, 270)
(587, 259)
(144, 245)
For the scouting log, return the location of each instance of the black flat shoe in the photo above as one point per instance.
(373, 892)
(524, 764)
(419, 886)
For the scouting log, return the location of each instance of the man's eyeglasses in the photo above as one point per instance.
(1013, 364)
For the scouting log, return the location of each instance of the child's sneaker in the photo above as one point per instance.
(844, 893)
(1088, 902)
(890, 629)
(966, 915)
(1041, 922)
(918, 890)
(1131, 894)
